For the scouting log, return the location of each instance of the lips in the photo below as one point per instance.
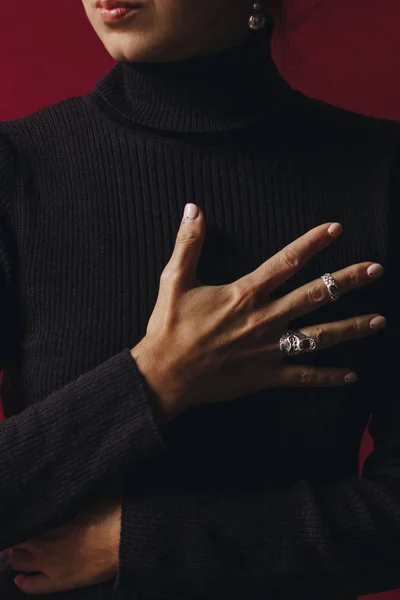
(113, 4)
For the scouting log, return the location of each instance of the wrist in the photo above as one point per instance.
(162, 392)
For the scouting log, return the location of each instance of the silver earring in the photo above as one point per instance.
(258, 19)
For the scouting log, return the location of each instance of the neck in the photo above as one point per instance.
(222, 92)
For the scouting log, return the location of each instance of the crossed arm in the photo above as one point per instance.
(344, 535)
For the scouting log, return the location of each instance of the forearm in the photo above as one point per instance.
(343, 537)
(57, 454)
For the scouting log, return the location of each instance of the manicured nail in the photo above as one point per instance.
(335, 229)
(378, 323)
(350, 378)
(375, 270)
(191, 211)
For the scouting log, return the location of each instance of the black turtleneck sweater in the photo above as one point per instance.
(256, 498)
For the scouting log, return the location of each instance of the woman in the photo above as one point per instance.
(209, 447)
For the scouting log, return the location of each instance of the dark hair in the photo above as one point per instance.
(285, 12)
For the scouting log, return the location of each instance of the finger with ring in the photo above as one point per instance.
(319, 337)
(320, 292)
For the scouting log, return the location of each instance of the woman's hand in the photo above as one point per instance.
(214, 343)
(78, 554)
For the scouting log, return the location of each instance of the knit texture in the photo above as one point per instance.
(258, 497)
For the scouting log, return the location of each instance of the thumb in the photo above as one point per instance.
(35, 584)
(189, 242)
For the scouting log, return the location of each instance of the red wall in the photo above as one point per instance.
(346, 53)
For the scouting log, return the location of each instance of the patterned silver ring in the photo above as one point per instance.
(295, 342)
(332, 286)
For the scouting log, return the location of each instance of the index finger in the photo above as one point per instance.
(285, 263)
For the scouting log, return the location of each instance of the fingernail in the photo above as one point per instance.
(191, 211)
(378, 323)
(335, 229)
(375, 270)
(350, 378)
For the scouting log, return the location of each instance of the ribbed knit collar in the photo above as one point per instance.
(223, 92)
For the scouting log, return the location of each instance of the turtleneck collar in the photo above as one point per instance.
(218, 93)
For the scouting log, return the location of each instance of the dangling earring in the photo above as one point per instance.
(258, 19)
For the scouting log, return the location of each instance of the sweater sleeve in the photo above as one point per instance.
(339, 539)
(58, 454)
(343, 536)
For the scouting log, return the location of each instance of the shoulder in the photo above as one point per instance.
(338, 126)
(6, 159)
(38, 136)
(48, 125)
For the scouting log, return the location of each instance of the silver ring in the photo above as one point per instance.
(332, 286)
(295, 342)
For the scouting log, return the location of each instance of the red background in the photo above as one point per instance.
(345, 52)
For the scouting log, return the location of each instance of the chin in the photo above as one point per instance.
(146, 46)
(142, 49)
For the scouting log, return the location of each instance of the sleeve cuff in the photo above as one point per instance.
(148, 438)
(141, 547)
